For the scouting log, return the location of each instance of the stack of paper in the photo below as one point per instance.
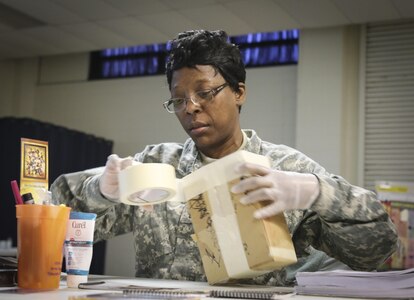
(389, 284)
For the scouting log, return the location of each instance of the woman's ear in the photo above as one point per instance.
(241, 94)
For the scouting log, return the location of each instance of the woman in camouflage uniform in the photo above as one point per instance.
(333, 223)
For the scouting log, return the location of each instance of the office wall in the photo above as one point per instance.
(130, 112)
(302, 106)
(18, 80)
(7, 70)
(327, 98)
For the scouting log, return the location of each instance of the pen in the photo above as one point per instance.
(16, 192)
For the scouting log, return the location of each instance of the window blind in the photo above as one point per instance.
(389, 103)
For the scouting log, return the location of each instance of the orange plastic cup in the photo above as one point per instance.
(41, 231)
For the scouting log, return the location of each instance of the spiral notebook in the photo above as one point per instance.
(217, 293)
(140, 292)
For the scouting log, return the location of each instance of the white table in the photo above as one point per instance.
(65, 293)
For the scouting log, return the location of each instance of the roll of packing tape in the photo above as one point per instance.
(147, 183)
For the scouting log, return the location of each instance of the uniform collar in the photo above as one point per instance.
(191, 158)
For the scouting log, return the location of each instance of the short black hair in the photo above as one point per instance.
(202, 47)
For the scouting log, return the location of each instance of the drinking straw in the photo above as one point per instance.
(16, 192)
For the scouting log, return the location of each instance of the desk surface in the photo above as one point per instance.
(9, 252)
(64, 293)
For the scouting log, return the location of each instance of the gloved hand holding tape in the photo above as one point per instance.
(148, 183)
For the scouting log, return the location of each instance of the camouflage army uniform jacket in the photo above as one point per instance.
(345, 222)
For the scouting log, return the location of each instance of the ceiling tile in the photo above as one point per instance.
(91, 9)
(224, 19)
(163, 23)
(227, 1)
(4, 28)
(405, 8)
(367, 10)
(97, 35)
(7, 50)
(315, 13)
(45, 10)
(85, 25)
(135, 31)
(263, 15)
(62, 40)
(184, 4)
(139, 8)
(26, 45)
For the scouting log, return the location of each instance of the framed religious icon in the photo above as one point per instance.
(34, 167)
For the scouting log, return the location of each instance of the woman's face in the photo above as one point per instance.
(214, 126)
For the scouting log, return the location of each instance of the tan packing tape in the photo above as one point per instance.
(149, 183)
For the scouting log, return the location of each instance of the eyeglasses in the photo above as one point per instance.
(178, 104)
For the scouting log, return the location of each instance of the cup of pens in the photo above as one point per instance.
(41, 233)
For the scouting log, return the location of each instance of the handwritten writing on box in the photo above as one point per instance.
(232, 243)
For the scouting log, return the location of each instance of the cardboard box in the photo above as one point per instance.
(232, 243)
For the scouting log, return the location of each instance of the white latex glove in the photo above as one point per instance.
(283, 190)
(108, 183)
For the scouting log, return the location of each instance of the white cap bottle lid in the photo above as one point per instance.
(73, 281)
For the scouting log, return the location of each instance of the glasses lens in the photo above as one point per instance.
(174, 105)
(177, 104)
(204, 95)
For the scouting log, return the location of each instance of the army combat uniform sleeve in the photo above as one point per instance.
(346, 222)
(80, 191)
(349, 224)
